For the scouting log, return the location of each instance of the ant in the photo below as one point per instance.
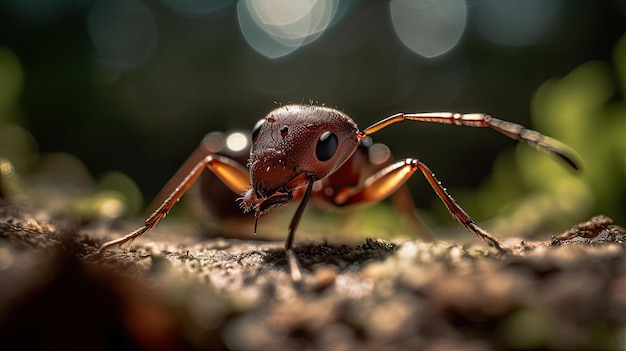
(301, 149)
(219, 200)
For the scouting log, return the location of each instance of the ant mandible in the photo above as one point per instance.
(295, 146)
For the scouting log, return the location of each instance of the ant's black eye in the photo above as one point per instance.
(326, 146)
(257, 128)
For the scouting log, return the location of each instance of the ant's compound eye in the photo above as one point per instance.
(257, 128)
(326, 146)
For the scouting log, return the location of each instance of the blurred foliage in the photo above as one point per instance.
(16, 144)
(58, 181)
(586, 110)
(10, 84)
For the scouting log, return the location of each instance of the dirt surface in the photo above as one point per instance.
(173, 290)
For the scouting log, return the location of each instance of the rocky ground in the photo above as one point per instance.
(171, 290)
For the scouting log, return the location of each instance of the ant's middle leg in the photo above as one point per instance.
(386, 181)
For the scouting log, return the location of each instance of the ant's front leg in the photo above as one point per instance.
(233, 174)
(386, 181)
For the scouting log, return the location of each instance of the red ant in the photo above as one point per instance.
(219, 200)
(299, 148)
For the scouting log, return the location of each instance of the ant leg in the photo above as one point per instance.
(366, 161)
(389, 179)
(294, 267)
(512, 130)
(234, 175)
(292, 260)
(200, 153)
(296, 217)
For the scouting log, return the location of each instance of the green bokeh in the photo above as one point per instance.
(584, 109)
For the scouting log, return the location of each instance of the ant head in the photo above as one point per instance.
(294, 142)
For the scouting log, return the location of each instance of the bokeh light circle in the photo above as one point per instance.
(276, 28)
(519, 23)
(429, 27)
(123, 32)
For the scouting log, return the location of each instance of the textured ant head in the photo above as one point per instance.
(294, 142)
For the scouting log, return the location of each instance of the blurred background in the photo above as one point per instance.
(113, 95)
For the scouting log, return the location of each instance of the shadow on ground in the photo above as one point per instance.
(175, 291)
